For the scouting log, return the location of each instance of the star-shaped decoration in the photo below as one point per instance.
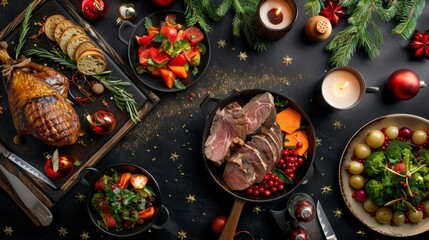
(191, 198)
(85, 236)
(8, 230)
(326, 189)
(257, 209)
(63, 231)
(338, 213)
(80, 197)
(361, 233)
(181, 235)
(4, 3)
(242, 56)
(174, 156)
(337, 124)
(221, 43)
(287, 60)
(318, 141)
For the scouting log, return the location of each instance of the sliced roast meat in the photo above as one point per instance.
(257, 159)
(264, 146)
(239, 173)
(260, 110)
(228, 124)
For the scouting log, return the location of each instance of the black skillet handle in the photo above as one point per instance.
(83, 173)
(121, 31)
(204, 105)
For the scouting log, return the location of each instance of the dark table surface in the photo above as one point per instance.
(167, 142)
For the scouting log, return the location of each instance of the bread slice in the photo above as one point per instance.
(50, 25)
(83, 47)
(74, 42)
(68, 34)
(59, 29)
(91, 62)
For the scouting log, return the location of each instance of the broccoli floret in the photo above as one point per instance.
(423, 155)
(394, 150)
(376, 191)
(375, 163)
(414, 200)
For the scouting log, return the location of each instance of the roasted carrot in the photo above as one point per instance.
(289, 120)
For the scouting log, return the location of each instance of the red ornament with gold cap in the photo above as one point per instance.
(404, 84)
(93, 9)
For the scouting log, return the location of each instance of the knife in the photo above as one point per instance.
(28, 198)
(324, 223)
(24, 165)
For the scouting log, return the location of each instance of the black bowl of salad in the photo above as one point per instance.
(124, 200)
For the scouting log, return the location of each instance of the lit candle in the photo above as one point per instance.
(342, 89)
(273, 19)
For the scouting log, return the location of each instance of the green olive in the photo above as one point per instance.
(375, 138)
(415, 216)
(392, 132)
(426, 207)
(383, 215)
(362, 151)
(398, 217)
(357, 181)
(419, 137)
(356, 167)
(369, 205)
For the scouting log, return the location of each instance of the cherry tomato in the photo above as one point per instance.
(169, 32)
(157, 56)
(194, 35)
(144, 55)
(163, 3)
(218, 224)
(138, 181)
(180, 60)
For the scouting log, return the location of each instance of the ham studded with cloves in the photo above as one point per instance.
(247, 139)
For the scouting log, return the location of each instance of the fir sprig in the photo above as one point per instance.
(409, 11)
(122, 98)
(195, 12)
(24, 30)
(313, 7)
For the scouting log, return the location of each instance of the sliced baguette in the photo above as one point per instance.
(68, 34)
(84, 46)
(59, 29)
(50, 25)
(74, 42)
(91, 62)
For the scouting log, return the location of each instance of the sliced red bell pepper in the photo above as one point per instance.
(168, 77)
(180, 60)
(109, 220)
(99, 185)
(179, 71)
(144, 56)
(157, 56)
(145, 39)
(124, 180)
(138, 181)
(190, 54)
(180, 35)
(156, 72)
(147, 213)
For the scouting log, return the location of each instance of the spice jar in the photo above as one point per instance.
(318, 28)
(296, 231)
(301, 207)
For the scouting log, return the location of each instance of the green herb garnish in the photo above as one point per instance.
(24, 30)
(280, 174)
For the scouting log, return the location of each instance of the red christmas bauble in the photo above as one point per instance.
(93, 9)
(404, 84)
(218, 224)
(102, 122)
(65, 167)
(163, 3)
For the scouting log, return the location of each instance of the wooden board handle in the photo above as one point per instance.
(231, 224)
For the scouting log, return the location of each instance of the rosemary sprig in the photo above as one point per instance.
(24, 30)
(122, 98)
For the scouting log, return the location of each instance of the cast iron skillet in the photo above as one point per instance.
(138, 30)
(160, 210)
(303, 173)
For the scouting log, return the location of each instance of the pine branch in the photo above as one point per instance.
(410, 11)
(224, 7)
(313, 7)
(210, 9)
(194, 14)
(388, 12)
(24, 30)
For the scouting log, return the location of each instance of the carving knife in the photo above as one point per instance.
(28, 198)
(324, 223)
(24, 165)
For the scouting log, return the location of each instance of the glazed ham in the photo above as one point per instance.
(37, 101)
(247, 138)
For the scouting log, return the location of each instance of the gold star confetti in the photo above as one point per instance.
(181, 235)
(361, 233)
(63, 232)
(243, 56)
(326, 189)
(257, 209)
(287, 60)
(191, 198)
(318, 141)
(337, 124)
(80, 197)
(8, 230)
(338, 213)
(174, 156)
(4, 3)
(221, 43)
(85, 236)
